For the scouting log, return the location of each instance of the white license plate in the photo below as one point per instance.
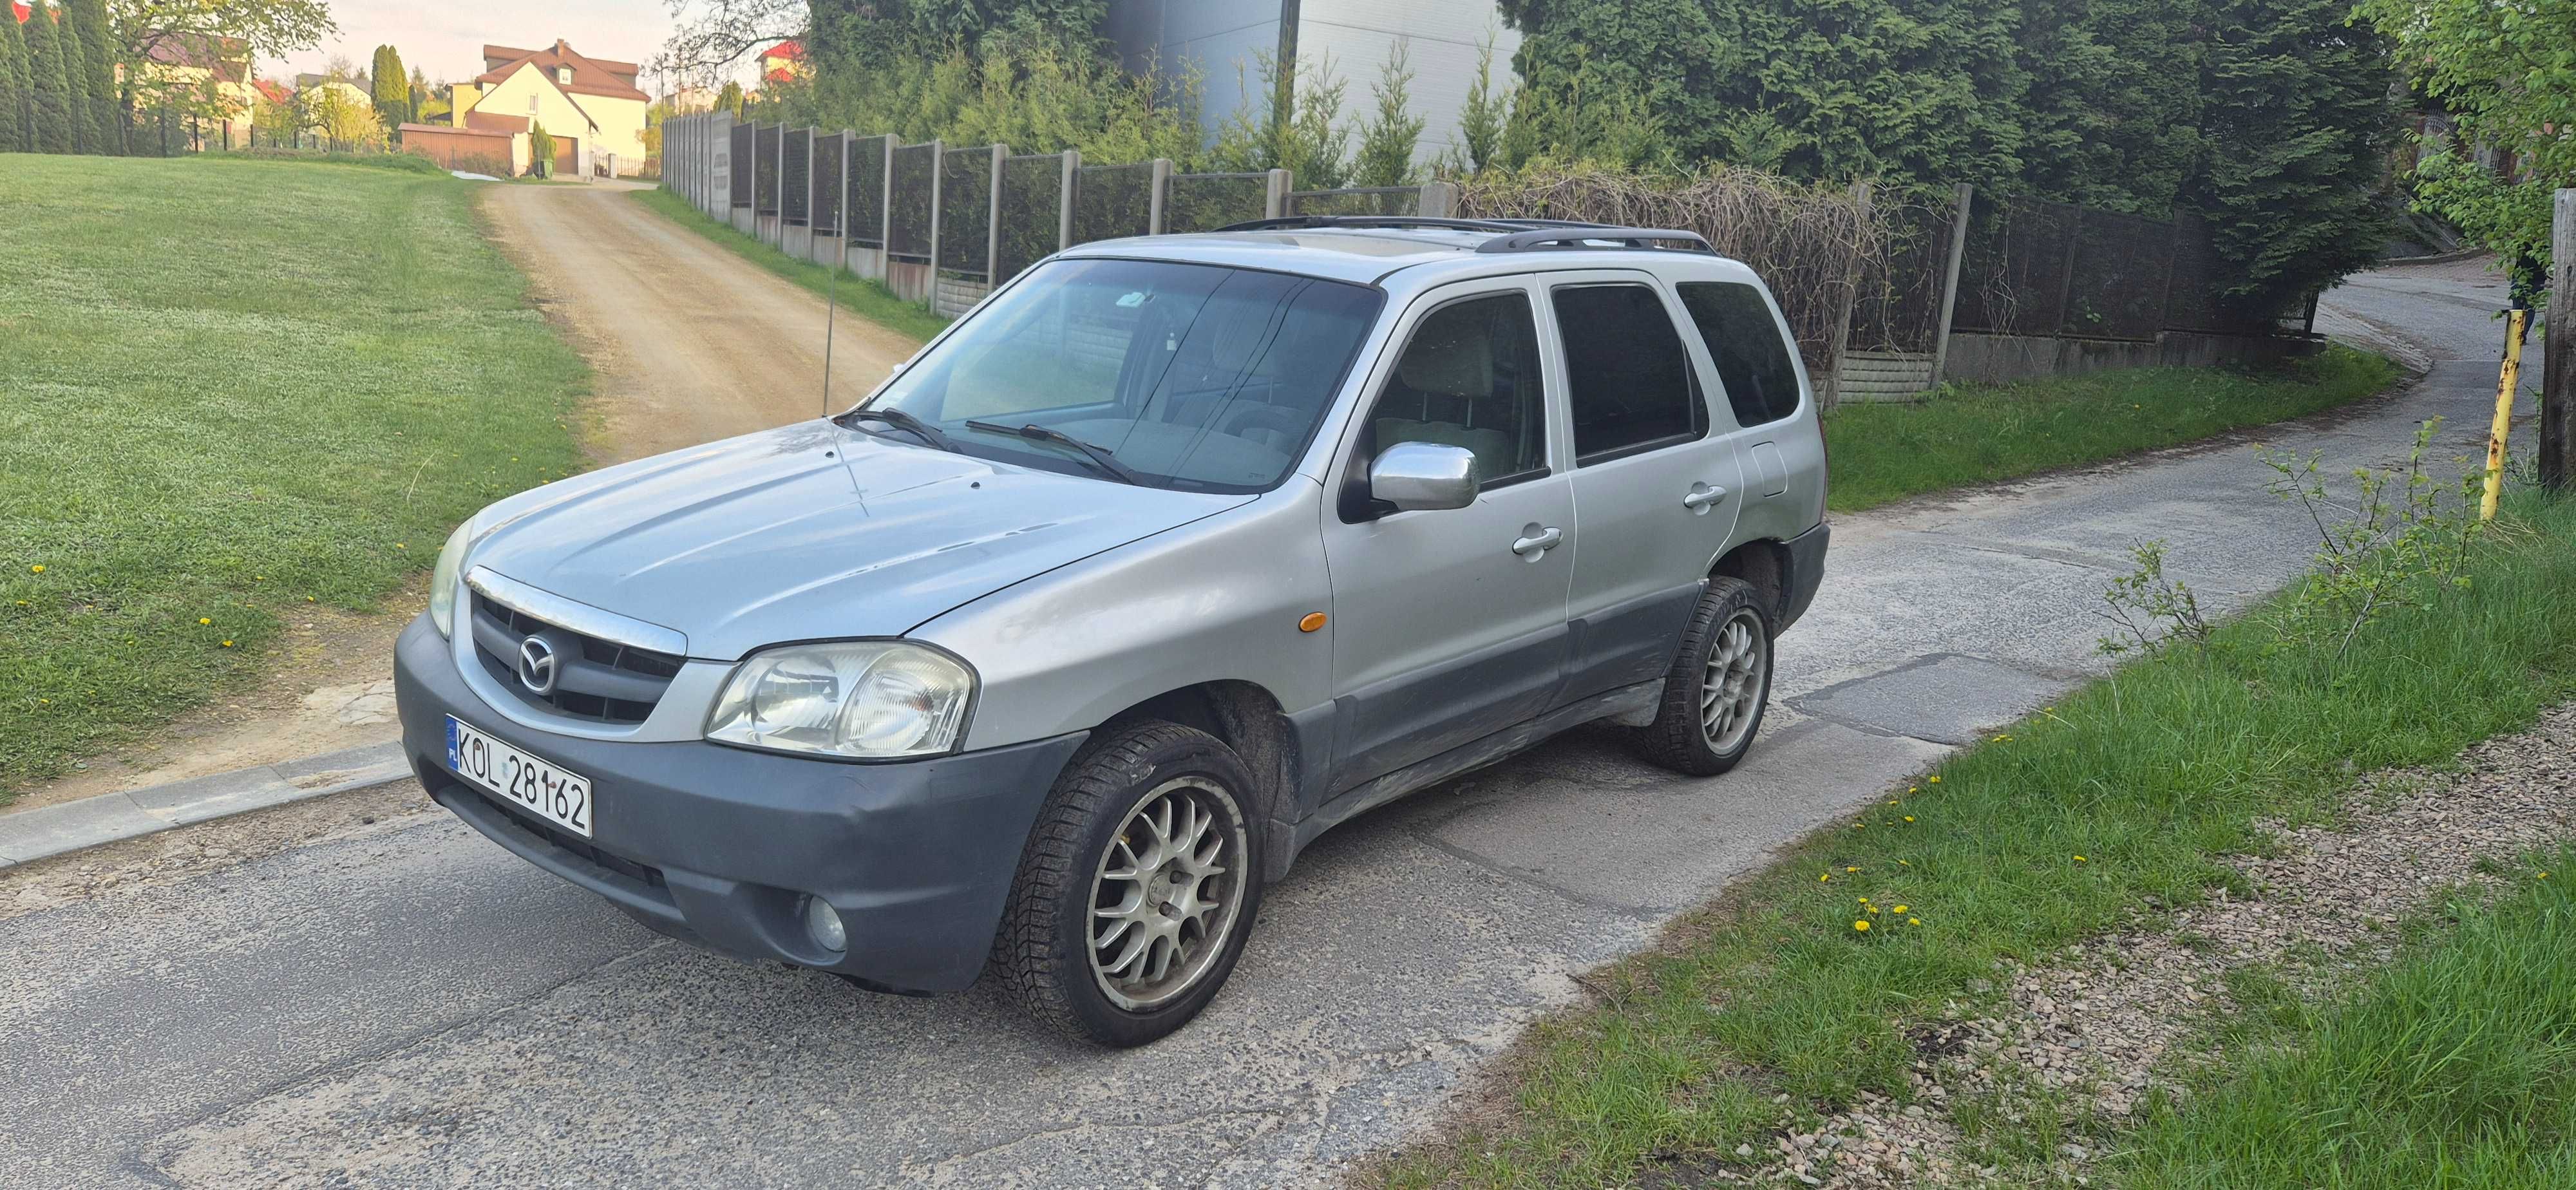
(558, 796)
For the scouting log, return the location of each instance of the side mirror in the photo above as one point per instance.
(1423, 475)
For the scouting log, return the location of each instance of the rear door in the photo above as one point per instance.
(1764, 390)
(1449, 624)
(1657, 481)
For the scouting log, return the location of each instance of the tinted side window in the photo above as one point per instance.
(1469, 377)
(1752, 362)
(1624, 362)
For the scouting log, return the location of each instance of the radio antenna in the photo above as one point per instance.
(831, 307)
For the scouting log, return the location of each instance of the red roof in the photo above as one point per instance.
(274, 90)
(792, 51)
(227, 58)
(590, 76)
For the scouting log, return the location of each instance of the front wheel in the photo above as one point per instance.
(1137, 887)
(1718, 686)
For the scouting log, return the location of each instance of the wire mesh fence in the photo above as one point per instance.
(1898, 306)
(1030, 210)
(1355, 200)
(1205, 202)
(2049, 269)
(764, 169)
(738, 190)
(1112, 202)
(828, 152)
(2191, 295)
(796, 175)
(865, 206)
(916, 168)
(965, 209)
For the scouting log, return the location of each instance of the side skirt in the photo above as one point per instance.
(1631, 705)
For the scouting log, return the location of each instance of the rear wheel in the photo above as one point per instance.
(1137, 888)
(1718, 687)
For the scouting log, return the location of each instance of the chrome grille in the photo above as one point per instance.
(598, 680)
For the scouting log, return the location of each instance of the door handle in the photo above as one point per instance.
(1534, 544)
(1702, 496)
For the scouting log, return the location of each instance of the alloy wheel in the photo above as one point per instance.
(1167, 892)
(1731, 686)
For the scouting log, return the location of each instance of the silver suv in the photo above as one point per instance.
(1170, 556)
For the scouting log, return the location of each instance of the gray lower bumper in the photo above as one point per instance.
(716, 845)
(1806, 572)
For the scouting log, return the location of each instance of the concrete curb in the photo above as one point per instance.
(2436, 258)
(32, 835)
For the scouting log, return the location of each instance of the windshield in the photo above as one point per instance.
(1185, 376)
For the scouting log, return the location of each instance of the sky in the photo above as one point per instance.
(446, 39)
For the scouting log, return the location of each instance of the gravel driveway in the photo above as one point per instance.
(398, 1001)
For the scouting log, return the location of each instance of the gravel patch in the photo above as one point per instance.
(2094, 1028)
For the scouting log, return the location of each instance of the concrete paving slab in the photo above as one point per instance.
(1946, 698)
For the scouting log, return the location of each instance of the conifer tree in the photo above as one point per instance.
(17, 114)
(95, 90)
(48, 85)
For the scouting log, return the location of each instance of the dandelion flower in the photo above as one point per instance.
(1826, 877)
(400, 546)
(228, 644)
(1934, 778)
(38, 568)
(1851, 869)
(1902, 864)
(1862, 926)
(2079, 859)
(1914, 921)
(1898, 909)
(1909, 818)
(204, 620)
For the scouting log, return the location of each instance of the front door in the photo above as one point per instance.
(1449, 624)
(1656, 481)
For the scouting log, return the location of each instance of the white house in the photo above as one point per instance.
(592, 100)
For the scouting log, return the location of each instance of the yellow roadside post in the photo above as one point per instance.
(2505, 386)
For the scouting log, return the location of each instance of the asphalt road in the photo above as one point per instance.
(321, 999)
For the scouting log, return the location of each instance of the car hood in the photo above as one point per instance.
(809, 531)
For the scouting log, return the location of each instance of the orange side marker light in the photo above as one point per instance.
(1313, 621)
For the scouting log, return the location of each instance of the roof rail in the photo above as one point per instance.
(1578, 237)
(1297, 222)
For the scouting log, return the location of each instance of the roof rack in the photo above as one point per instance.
(1298, 222)
(1575, 237)
(1511, 235)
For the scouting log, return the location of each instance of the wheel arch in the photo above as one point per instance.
(1245, 717)
(1764, 565)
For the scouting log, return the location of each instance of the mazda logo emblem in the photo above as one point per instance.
(537, 666)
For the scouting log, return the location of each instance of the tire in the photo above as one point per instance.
(1122, 808)
(1730, 629)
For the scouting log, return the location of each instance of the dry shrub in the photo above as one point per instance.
(1814, 244)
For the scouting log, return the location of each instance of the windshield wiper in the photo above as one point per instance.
(904, 421)
(1107, 462)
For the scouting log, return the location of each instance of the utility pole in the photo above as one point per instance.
(2558, 351)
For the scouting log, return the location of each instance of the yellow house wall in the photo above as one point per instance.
(621, 121)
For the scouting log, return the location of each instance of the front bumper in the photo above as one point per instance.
(715, 845)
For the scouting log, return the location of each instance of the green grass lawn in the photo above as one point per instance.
(2454, 1066)
(2060, 828)
(1887, 451)
(230, 388)
(870, 300)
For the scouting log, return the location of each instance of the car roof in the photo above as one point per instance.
(1369, 255)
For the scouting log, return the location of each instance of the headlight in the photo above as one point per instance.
(442, 582)
(871, 699)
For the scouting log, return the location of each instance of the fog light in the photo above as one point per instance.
(824, 926)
